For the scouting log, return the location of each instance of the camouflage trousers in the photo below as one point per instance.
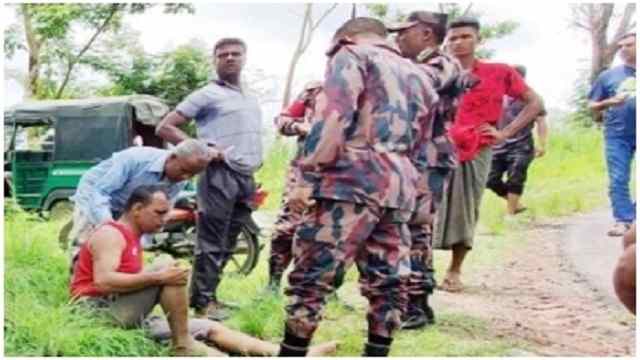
(288, 220)
(422, 280)
(332, 235)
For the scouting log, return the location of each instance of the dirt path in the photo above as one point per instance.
(554, 293)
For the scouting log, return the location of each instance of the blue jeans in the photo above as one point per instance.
(619, 152)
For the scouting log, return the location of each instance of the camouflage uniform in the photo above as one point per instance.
(445, 74)
(358, 158)
(288, 220)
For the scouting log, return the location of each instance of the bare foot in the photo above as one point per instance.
(197, 348)
(328, 348)
(452, 283)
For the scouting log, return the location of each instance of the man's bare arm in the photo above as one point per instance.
(606, 103)
(169, 130)
(106, 246)
(533, 107)
(543, 134)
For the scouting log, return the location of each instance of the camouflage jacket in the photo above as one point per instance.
(372, 113)
(450, 81)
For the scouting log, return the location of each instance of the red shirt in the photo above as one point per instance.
(483, 105)
(130, 262)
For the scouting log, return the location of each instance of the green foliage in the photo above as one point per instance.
(274, 170)
(52, 26)
(582, 116)
(12, 42)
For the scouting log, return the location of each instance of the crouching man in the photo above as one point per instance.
(109, 275)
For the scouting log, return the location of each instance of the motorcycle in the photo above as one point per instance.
(178, 236)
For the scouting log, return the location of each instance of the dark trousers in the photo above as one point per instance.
(223, 196)
(514, 162)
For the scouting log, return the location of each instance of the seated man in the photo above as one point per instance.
(104, 189)
(109, 275)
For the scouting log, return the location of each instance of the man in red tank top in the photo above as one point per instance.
(109, 274)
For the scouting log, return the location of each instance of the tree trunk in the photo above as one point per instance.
(73, 61)
(34, 44)
(306, 26)
(600, 17)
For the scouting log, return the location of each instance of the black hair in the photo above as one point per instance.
(361, 25)
(464, 21)
(144, 194)
(229, 41)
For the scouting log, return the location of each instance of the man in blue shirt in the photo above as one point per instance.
(228, 118)
(103, 190)
(614, 92)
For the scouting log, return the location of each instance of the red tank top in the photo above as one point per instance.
(130, 262)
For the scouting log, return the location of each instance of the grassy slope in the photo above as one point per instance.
(39, 321)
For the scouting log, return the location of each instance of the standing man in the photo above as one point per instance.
(294, 121)
(229, 119)
(473, 132)
(614, 91)
(515, 154)
(419, 39)
(358, 158)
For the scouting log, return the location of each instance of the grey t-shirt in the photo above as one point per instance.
(227, 116)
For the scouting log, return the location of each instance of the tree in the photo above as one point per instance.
(596, 19)
(171, 76)
(487, 32)
(48, 30)
(309, 25)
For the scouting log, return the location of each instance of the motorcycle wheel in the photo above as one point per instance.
(245, 255)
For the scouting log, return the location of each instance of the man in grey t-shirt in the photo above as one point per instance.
(229, 119)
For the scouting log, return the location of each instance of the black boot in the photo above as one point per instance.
(377, 346)
(274, 284)
(293, 345)
(428, 311)
(415, 317)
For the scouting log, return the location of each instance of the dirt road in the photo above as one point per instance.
(555, 292)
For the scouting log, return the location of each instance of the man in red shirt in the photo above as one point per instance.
(109, 275)
(473, 132)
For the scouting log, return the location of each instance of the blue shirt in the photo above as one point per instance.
(619, 120)
(106, 187)
(226, 116)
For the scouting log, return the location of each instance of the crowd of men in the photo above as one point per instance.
(395, 149)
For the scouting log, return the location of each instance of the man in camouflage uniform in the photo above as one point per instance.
(359, 159)
(419, 38)
(294, 121)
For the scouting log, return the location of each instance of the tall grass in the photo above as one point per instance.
(274, 170)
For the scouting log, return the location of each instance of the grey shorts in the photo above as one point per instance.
(128, 310)
(133, 310)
